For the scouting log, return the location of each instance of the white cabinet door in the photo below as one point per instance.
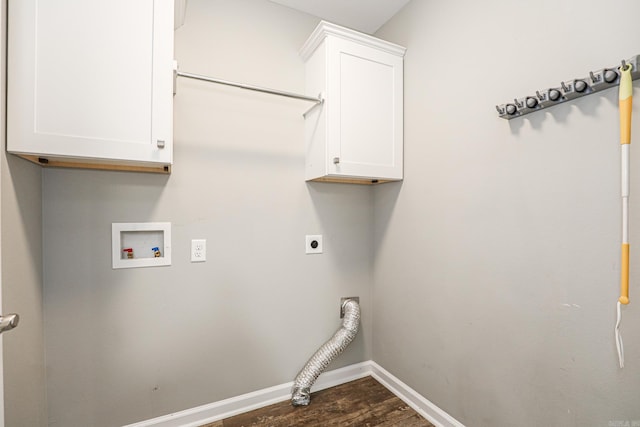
(357, 135)
(364, 108)
(91, 80)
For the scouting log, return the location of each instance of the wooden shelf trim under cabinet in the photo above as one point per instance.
(348, 180)
(47, 161)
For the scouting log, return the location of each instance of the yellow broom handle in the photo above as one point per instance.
(624, 275)
(625, 101)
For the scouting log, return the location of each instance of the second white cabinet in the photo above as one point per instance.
(356, 136)
(90, 83)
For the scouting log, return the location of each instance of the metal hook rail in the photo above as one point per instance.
(318, 101)
(569, 90)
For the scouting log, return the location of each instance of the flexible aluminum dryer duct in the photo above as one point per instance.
(301, 391)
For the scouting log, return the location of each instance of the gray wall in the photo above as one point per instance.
(21, 231)
(497, 259)
(128, 345)
(23, 347)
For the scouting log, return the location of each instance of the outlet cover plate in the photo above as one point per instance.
(198, 250)
(309, 241)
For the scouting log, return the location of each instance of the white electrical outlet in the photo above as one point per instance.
(314, 244)
(198, 250)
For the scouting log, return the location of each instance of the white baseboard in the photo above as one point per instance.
(420, 404)
(257, 399)
(222, 409)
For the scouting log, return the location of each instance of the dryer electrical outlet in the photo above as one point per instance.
(313, 243)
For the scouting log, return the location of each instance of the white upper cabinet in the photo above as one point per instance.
(90, 83)
(357, 134)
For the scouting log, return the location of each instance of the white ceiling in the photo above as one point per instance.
(363, 15)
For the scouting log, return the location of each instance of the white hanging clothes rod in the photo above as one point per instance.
(318, 101)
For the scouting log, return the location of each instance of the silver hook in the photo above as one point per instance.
(594, 78)
(511, 109)
(564, 87)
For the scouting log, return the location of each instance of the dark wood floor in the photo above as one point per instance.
(364, 402)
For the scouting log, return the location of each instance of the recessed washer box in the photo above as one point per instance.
(140, 244)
